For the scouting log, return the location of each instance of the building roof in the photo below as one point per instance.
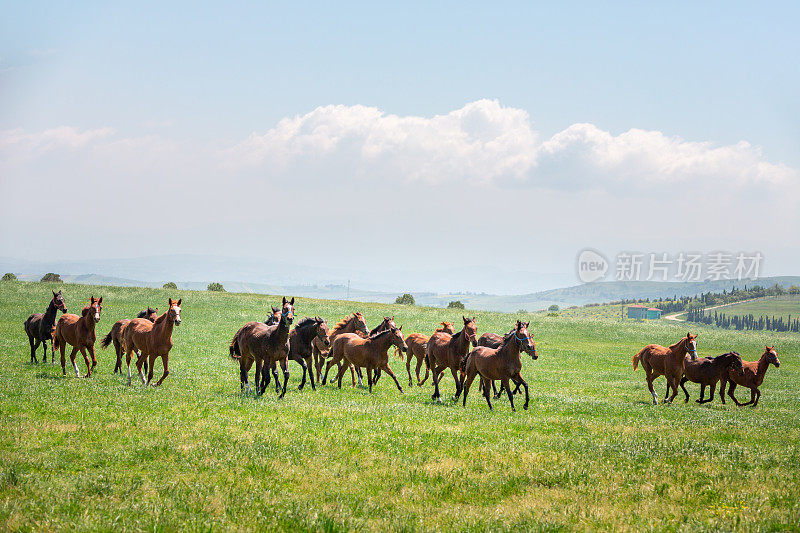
(653, 309)
(637, 306)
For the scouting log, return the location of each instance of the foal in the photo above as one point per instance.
(448, 351)
(41, 327)
(752, 376)
(669, 362)
(151, 340)
(115, 335)
(370, 353)
(501, 363)
(707, 371)
(301, 345)
(78, 331)
(354, 323)
(417, 344)
(275, 317)
(493, 340)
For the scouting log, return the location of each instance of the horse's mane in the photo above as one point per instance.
(379, 334)
(306, 322)
(672, 347)
(161, 318)
(342, 323)
(85, 310)
(374, 330)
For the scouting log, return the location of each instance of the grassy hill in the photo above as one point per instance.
(590, 453)
(777, 306)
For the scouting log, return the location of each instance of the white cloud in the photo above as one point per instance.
(18, 144)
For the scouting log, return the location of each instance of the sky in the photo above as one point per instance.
(353, 135)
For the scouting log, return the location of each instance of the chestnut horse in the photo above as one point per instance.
(266, 346)
(503, 363)
(78, 331)
(301, 345)
(40, 327)
(493, 340)
(370, 353)
(275, 317)
(752, 376)
(417, 344)
(115, 335)
(151, 340)
(707, 371)
(669, 362)
(448, 351)
(354, 323)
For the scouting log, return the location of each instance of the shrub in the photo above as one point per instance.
(215, 287)
(553, 307)
(456, 304)
(521, 311)
(8, 276)
(552, 314)
(170, 285)
(405, 299)
(51, 277)
(794, 289)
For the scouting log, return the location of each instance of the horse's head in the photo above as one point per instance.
(772, 356)
(174, 311)
(733, 361)
(322, 330)
(691, 345)
(447, 327)
(151, 314)
(524, 339)
(275, 317)
(287, 309)
(359, 324)
(96, 306)
(397, 338)
(471, 330)
(59, 302)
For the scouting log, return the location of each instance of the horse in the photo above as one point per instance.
(40, 327)
(493, 340)
(448, 351)
(502, 363)
(752, 376)
(354, 323)
(151, 340)
(417, 343)
(370, 353)
(115, 335)
(386, 323)
(669, 362)
(707, 371)
(264, 345)
(301, 348)
(78, 331)
(275, 317)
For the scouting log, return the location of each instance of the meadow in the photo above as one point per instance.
(778, 306)
(592, 452)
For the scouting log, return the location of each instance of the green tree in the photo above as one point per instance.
(455, 304)
(51, 277)
(553, 308)
(794, 289)
(215, 287)
(170, 285)
(405, 299)
(8, 276)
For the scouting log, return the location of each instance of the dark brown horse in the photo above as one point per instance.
(151, 340)
(78, 331)
(301, 348)
(255, 342)
(658, 360)
(502, 363)
(448, 351)
(417, 344)
(354, 323)
(115, 335)
(40, 327)
(707, 371)
(493, 340)
(275, 317)
(371, 353)
(751, 376)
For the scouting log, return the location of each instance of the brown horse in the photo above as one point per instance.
(40, 327)
(669, 362)
(301, 345)
(151, 340)
(115, 335)
(266, 346)
(752, 376)
(707, 371)
(503, 363)
(448, 351)
(275, 317)
(78, 331)
(370, 353)
(493, 340)
(354, 323)
(417, 344)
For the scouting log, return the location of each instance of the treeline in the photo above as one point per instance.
(744, 322)
(708, 299)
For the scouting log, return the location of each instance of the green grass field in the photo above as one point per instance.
(590, 453)
(768, 306)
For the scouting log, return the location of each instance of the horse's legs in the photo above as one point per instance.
(243, 375)
(63, 347)
(702, 393)
(151, 359)
(470, 377)
(284, 367)
(521, 382)
(730, 393)
(72, 360)
(309, 367)
(44, 346)
(409, 355)
(266, 378)
(118, 351)
(165, 360)
(369, 378)
(389, 371)
(650, 386)
(752, 398)
(94, 357)
(86, 359)
(713, 389)
(507, 386)
(34, 346)
(757, 396)
(342, 370)
(377, 374)
(258, 376)
(458, 383)
(673, 383)
(435, 376)
(683, 380)
(486, 391)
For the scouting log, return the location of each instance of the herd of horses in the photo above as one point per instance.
(351, 345)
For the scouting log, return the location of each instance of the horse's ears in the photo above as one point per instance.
(466, 320)
(688, 335)
(100, 301)
(170, 302)
(91, 299)
(284, 301)
(292, 301)
(274, 309)
(54, 294)
(179, 301)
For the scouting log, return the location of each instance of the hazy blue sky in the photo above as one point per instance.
(500, 134)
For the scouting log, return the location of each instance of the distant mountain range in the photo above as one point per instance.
(599, 292)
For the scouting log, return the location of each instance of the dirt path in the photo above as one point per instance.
(676, 315)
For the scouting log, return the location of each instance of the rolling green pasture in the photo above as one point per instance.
(785, 305)
(604, 311)
(590, 453)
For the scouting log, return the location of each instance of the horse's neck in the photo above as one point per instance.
(382, 343)
(283, 330)
(679, 350)
(50, 313)
(304, 335)
(510, 351)
(88, 321)
(763, 365)
(163, 329)
(461, 341)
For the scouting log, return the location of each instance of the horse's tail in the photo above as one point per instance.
(235, 351)
(107, 339)
(637, 358)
